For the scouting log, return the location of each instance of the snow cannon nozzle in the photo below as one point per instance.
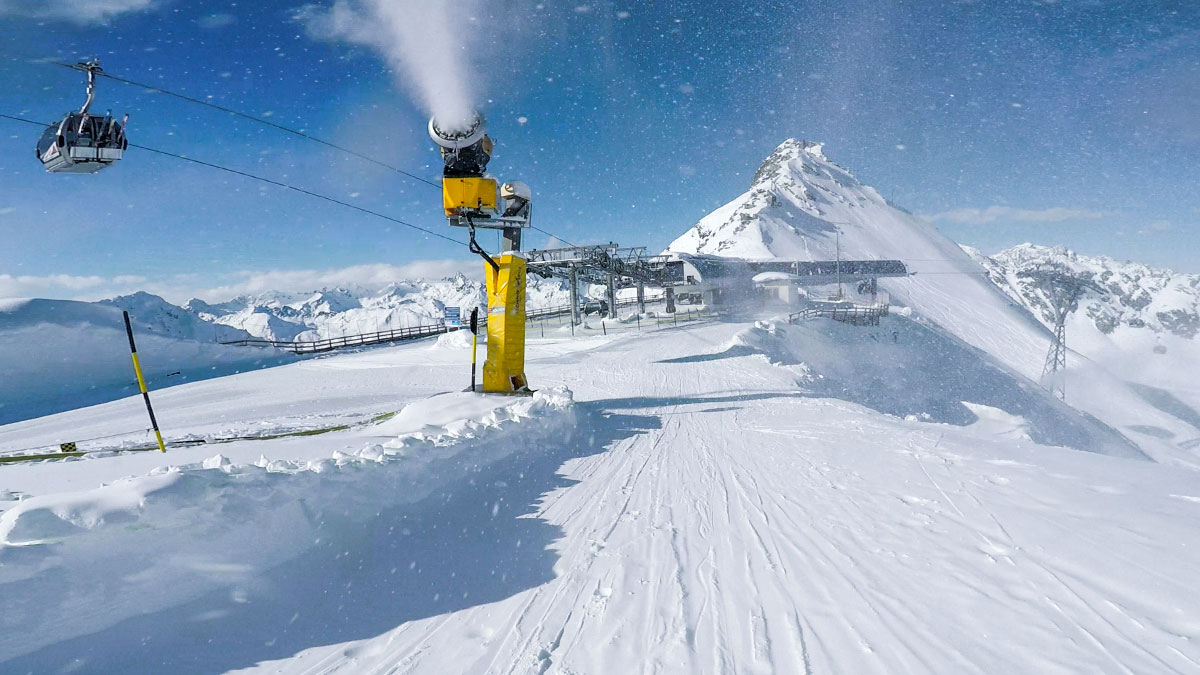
(458, 136)
(466, 149)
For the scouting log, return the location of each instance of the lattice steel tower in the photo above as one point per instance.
(1064, 290)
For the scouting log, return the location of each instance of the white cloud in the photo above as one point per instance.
(994, 214)
(180, 288)
(1155, 227)
(77, 11)
(52, 285)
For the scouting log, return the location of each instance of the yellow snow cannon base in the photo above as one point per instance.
(469, 194)
(504, 370)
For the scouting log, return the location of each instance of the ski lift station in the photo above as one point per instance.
(717, 281)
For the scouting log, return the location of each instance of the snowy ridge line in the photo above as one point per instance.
(395, 334)
(163, 530)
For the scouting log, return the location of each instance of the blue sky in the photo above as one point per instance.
(1073, 122)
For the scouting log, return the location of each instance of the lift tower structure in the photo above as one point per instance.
(608, 264)
(1063, 290)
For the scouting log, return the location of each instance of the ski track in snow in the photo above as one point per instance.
(712, 517)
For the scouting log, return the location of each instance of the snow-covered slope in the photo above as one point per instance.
(802, 206)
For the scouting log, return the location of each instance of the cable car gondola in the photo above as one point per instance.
(81, 142)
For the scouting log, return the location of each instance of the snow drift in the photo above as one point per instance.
(159, 540)
(908, 369)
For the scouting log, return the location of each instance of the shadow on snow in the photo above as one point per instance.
(464, 545)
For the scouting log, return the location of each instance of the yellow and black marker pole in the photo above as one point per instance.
(137, 368)
(474, 342)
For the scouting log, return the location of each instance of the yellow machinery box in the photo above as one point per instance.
(477, 194)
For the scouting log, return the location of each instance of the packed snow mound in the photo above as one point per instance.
(62, 354)
(916, 371)
(457, 340)
(183, 531)
(800, 204)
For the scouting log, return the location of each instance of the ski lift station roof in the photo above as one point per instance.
(804, 272)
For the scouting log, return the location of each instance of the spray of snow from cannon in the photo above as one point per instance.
(425, 42)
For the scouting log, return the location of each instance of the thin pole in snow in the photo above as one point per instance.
(474, 342)
(137, 369)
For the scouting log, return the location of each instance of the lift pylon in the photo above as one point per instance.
(1063, 292)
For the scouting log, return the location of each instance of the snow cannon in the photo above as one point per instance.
(469, 196)
(473, 200)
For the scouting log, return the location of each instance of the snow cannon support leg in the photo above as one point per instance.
(504, 370)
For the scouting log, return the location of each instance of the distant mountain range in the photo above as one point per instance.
(1137, 296)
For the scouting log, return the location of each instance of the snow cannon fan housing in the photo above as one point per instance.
(470, 198)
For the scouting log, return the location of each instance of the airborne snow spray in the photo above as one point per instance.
(427, 41)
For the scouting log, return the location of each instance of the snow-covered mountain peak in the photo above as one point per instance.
(803, 206)
(791, 157)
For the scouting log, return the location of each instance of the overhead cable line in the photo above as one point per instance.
(22, 119)
(551, 234)
(300, 190)
(271, 182)
(260, 120)
(295, 132)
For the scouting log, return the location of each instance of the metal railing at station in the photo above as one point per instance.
(851, 313)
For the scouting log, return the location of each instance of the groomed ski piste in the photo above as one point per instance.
(721, 497)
